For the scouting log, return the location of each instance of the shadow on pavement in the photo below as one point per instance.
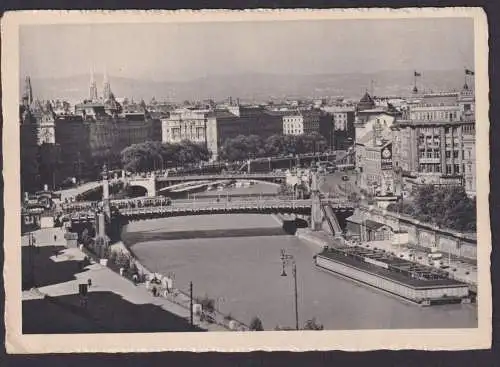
(106, 312)
(45, 271)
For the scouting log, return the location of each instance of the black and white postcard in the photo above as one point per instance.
(235, 181)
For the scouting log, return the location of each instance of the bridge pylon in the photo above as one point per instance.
(105, 191)
(316, 212)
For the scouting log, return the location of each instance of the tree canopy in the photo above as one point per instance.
(447, 207)
(156, 155)
(244, 147)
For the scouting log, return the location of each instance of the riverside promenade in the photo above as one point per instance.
(114, 304)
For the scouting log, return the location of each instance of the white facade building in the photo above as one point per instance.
(185, 124)
(293, 125)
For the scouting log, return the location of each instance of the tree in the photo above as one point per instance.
(256, 324)
(207, 304)
(447, 207)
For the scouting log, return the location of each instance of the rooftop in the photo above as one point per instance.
(405, 122)
(357, 254)
(220, 114)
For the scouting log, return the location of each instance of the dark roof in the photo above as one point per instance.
(431, 122)
(278, 113)
(373, 225)
(355, 218)
(393, 275)
(366, 98)
(220, 114)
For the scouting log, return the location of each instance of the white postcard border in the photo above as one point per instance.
(360, 340)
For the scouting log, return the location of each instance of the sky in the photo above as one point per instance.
(187, 51)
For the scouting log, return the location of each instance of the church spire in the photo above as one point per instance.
(106, 93)
(93, 86)
(28, 92)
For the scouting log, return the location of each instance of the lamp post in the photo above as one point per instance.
(287, 259)
(31, 252)
(162, 163)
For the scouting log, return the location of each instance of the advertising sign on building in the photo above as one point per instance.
(386, 157)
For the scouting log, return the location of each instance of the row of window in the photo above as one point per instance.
(294, 132)
(198, 133)
(435, 116)
(436, 153)
(468, 129)
(294, 126)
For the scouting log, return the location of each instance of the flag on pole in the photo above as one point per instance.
(469, 72)
(417, 74)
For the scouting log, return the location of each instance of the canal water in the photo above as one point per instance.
(243, 275)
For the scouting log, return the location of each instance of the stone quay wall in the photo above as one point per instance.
(425, 235)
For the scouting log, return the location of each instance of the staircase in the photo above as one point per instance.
(331, 219)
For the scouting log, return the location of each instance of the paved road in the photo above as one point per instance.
(333, 183)
(103, 280)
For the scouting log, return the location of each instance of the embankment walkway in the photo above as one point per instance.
(103, 280)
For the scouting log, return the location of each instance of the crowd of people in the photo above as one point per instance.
(142, 203)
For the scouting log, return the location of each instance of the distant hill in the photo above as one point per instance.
(256, 87)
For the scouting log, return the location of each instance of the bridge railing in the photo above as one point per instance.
(243, 175)
(211, 205)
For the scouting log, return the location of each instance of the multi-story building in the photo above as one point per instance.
(76, 145)
(293, 124)
(239, 120)
(185, 124)
(40, 154)
(72, 135)
(309, 122)
(343, 126)
(374, 160)
(435, 140)
(29, 148)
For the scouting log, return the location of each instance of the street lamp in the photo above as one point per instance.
(162, 163)
(31, 252)
(287, 259)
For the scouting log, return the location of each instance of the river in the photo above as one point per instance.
(244, 275)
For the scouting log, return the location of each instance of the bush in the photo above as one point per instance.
(313, 325)
(256, 325)
(208, 304)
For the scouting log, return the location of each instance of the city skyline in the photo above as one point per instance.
(189, 51)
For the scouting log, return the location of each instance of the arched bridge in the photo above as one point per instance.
(152, 184)
(193, 207)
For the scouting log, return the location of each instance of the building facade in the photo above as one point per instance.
(309, 122)
(374, 161)
(435, 140)
(239, 120)
(343, 126)
(58, 146)
(185, 124)
(293, 124)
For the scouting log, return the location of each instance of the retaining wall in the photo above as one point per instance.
(425, 235)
